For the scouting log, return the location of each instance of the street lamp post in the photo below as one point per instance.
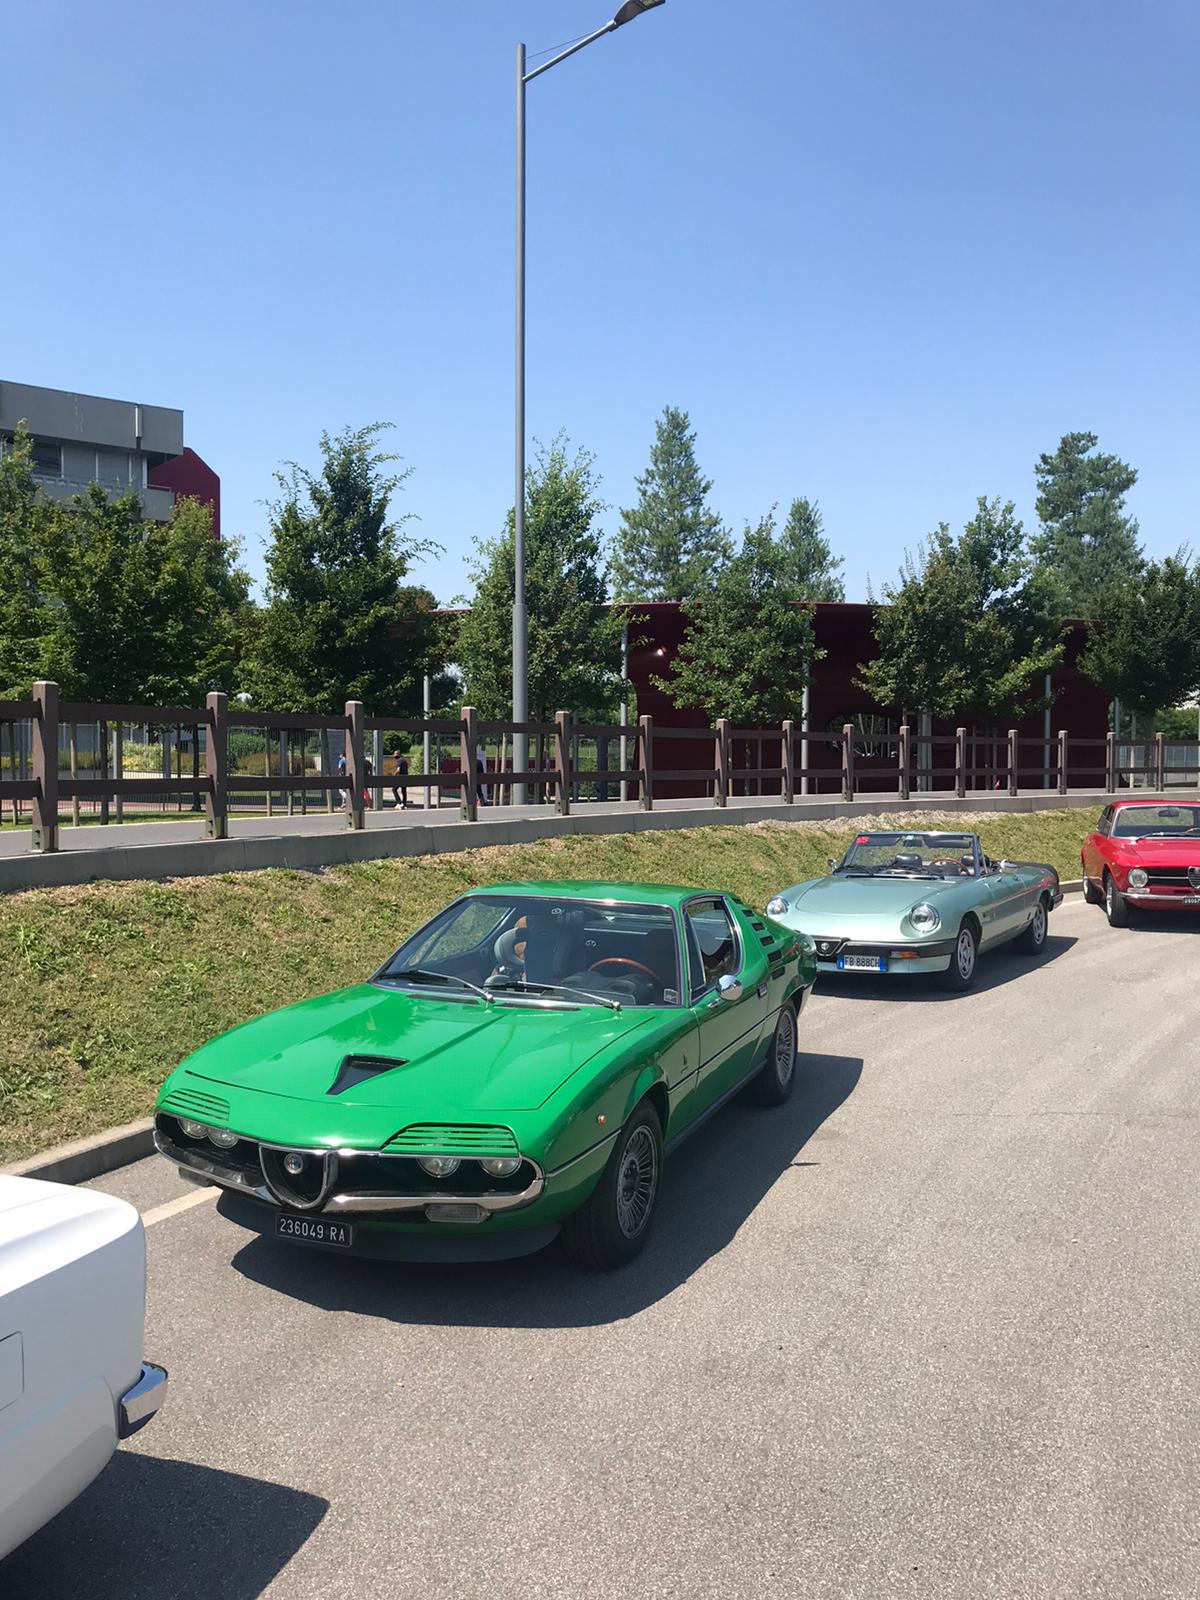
(520, 639)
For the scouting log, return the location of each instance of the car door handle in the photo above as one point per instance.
(761, 991)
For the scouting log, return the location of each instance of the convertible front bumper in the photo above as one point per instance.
(841, 956)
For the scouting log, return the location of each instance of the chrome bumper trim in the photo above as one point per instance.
(1169, 899)
(139, 1403)
(203, 1169)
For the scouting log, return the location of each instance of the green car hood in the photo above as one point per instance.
(450, 1054)
(827, 905)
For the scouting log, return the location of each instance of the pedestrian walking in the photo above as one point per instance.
(343, 771)
(400, 787)
(369, 771)
(483, 790)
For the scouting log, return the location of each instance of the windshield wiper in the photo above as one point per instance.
(1162, 833)
(557, 988)
(429, 975)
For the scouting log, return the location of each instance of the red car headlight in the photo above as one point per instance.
(1138, 877)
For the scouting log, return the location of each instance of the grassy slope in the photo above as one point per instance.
(108, 985)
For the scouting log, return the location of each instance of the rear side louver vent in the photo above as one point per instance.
(358, 1069)
(440, 1138)
(196, 1104)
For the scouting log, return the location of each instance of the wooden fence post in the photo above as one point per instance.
(1110, 762)
(469, 793)
(1012, 761)
(562, 760)
(44, 733)
(721, 742)
(356, 772)
(646, 762)
(847, 761)
(216, 746)
(1160, 762)
(788, 762)
(960, 762)
(1062, 761)
(905, 761)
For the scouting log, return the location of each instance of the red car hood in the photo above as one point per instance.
(1158, 852)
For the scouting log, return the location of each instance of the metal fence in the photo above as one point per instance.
(571, 762)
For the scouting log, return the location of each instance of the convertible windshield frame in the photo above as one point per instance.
(894, 839)
(531, 997)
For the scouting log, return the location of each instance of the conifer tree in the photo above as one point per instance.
(670, 545)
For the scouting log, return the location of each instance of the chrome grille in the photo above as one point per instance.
(440, 1138)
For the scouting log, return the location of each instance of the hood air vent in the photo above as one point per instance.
(357, 1069)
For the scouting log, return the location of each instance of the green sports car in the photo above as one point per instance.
(919, 902)
(518, 1068)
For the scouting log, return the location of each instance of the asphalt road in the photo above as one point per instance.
(930, 1330)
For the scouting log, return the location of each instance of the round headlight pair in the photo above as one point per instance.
(201, 1130)
(1138, 877)
(924, 918)
(777, 906)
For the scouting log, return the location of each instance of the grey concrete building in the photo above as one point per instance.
(80, 439)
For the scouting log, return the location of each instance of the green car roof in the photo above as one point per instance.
(668, 894)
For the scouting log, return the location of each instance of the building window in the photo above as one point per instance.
(112, 469)
(46, 459)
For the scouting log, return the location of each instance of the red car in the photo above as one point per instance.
(1144, 853)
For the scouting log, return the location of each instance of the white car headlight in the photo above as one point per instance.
(777, 906)
(194, 1130)
(1138, 877)
(439, 1166)
(924, 918)
(500, 1166)
(223, 1138)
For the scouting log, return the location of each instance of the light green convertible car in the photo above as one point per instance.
(920, 902)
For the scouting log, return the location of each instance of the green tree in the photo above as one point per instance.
(574, 638)
(138, 611)
(1087, 540)
(670, 545)
(748, 647)
(1144, 648)
(339, 622)
(23, 513)
(810, 563)
(969, 628)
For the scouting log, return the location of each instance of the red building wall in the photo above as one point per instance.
(189, 475)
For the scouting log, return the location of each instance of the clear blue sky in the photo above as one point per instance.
(883, 253)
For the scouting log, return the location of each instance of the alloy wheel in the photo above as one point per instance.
(785, 1048)
(964, 954)
(637, 1182)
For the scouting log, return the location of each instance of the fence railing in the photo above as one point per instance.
(776, 760)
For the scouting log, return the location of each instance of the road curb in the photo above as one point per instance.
(84, 1159)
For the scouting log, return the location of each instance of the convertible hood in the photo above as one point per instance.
(868, 899)
(449, 1054)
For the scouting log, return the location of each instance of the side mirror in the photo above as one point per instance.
(728, 987)
(833, 866)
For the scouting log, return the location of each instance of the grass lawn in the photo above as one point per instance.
(108, 985)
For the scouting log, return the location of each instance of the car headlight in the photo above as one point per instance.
(223, 1137)
(194, 1130)
(439, 1166)
(1138, 877)
(924, 918)
(777, 906)
(500, 1166)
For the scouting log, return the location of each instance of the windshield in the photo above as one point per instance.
(1139, 822)
(919, 855)
(577, 952)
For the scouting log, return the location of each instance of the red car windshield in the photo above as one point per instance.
(1156, 822)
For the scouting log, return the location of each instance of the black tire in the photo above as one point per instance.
(1091, 894)
(960, 974)
(1032, 941)
(774, 1081)
(613, 1223)
(1116, 907)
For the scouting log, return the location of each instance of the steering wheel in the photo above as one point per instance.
(623, 961)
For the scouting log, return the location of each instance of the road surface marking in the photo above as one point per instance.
(172, 1208)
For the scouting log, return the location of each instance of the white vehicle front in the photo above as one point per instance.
(72, 1316)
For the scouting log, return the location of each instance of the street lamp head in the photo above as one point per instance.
(632, 9)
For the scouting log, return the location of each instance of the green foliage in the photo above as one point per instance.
(574, 639)
(23, 512)
(138, 611)
(339, 623)
(1178, 722)
(811, 567)
(748, 649)
(670, 545)
(968, 629)
(1145, 647)
(1087, 541)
